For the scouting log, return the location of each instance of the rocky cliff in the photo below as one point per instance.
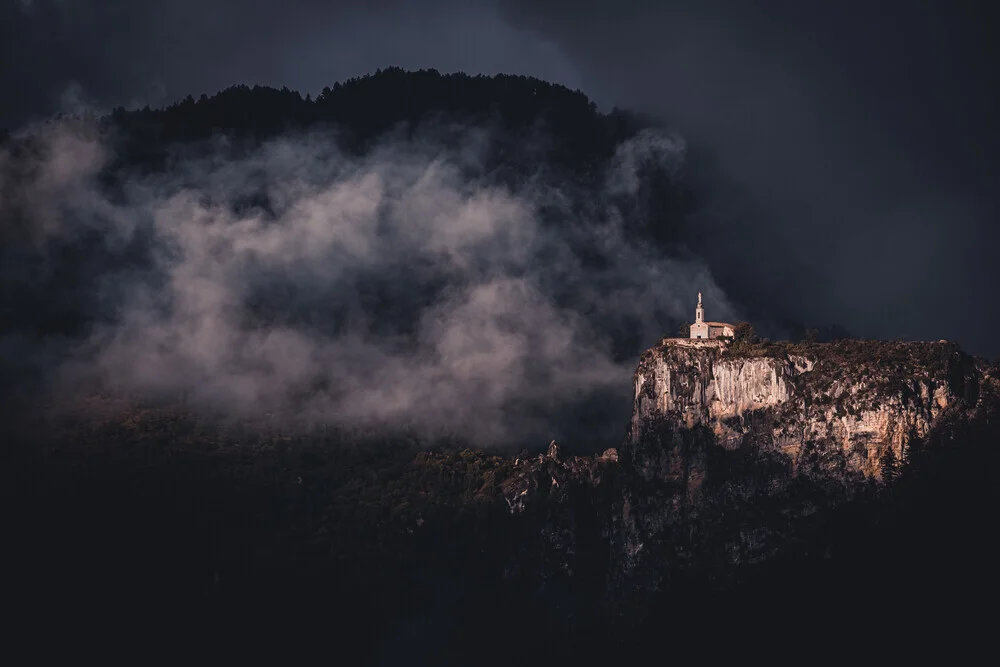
(859, 403)
(737, 454)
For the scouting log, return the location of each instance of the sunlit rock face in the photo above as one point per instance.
(856, 403)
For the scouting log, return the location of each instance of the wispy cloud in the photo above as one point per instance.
(401, 289)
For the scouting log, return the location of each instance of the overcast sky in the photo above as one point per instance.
(853, 144)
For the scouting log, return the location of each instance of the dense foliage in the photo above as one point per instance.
(409, 546)
(565, 124)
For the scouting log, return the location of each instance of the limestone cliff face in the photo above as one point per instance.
(858, 403)
(719, 433)
(735, 454)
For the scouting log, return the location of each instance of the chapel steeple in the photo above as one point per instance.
(708, 330)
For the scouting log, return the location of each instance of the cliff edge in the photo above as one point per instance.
(861, 404)
(736, 453)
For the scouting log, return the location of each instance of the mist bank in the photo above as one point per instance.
(414, 280)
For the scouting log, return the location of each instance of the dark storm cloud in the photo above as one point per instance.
(853, 144)
(133, 52)
(846, 150)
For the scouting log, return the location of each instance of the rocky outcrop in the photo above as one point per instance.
(733, 452)
(859, 402)
(553, 475)
(718, 433)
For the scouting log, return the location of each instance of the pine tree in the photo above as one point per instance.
(890, 466)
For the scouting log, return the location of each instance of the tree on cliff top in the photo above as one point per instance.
(744, 333)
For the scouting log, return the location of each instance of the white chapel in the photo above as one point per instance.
(703, 329)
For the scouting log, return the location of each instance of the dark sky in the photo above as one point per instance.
(852, 145)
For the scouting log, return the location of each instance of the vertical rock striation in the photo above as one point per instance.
(855, 401)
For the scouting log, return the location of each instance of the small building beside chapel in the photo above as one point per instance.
(703, 329)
